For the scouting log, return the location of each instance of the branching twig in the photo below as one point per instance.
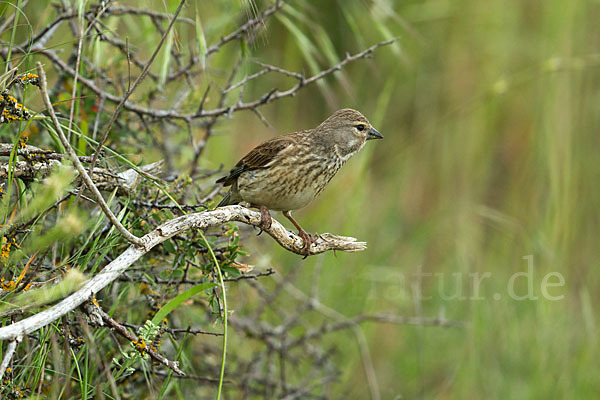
(274, 94)
(116, 9)
(134, 86)
(382, 318)
(242, 30)
(175, 331)
(173, 365)
(268, 97)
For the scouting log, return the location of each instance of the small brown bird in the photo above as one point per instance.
(285, 173)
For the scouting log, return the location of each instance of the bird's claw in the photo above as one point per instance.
(308, 241)
(265, 220)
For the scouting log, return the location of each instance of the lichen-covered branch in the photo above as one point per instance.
(121, 330)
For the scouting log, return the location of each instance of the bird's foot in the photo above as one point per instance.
(265, 219)
(308, 240)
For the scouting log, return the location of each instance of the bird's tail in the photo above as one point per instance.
(226, 200)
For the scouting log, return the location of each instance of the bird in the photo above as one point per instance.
(287, 172)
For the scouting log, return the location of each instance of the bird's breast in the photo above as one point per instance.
(287, 185)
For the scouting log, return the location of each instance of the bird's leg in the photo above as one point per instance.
(308, 240)
(265, 218)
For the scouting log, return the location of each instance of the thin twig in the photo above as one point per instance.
(139, 79)
(131, 238)
(116, 9)
(266, 69)
(242, 30)
(175, 331)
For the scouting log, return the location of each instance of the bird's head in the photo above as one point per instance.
(347, 130)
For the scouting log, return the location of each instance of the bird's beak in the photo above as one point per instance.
(374, 134)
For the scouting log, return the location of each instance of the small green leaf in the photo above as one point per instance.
(169, 246)
(232, 271)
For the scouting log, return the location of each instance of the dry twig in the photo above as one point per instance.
(121, 330)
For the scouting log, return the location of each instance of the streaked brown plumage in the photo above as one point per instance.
(287, 172)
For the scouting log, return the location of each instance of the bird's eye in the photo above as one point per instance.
(360, 127)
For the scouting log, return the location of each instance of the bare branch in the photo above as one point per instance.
(242, 30)
(274, 94)
(268, 97)
(288, 240)
(382, 318)
(115, 9)
(266, 69)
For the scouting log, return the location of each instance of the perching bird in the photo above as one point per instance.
(285, 173)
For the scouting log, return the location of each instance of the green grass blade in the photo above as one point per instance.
(179, 299)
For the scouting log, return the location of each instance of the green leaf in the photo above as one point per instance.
(232, 271)
(168, 246)
(177, 301)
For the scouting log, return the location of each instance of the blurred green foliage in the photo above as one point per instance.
(490, 116)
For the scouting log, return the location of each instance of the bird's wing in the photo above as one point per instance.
(259, 157)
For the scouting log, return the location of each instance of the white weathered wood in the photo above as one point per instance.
(8, 354)
(201, 220)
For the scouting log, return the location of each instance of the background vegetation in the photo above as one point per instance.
(490, 115)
